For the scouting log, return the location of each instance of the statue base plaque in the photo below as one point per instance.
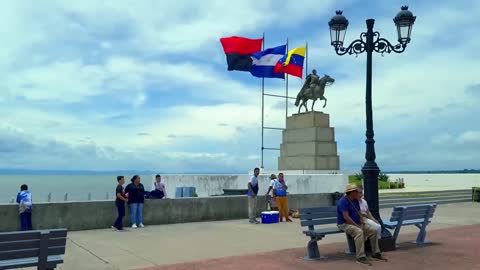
(308, 143)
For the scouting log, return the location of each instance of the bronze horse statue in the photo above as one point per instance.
(313, 88)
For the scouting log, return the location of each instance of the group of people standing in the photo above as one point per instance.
(277, 193)
(134, 195)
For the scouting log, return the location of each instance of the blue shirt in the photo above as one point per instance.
(344, 205)
(280, 188)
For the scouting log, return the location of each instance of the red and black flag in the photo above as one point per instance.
(239, 50)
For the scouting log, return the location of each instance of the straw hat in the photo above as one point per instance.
(351, 187)
(273, 176)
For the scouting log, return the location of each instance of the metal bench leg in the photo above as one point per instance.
(313, 250)
(421, 235)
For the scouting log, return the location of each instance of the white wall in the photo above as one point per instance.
(208, 185)
(447, 181)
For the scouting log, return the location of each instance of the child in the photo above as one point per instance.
(120, 203)
(24, 200)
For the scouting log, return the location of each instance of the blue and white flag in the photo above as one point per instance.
(264, 62)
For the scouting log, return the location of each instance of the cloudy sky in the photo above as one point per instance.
(143, 85)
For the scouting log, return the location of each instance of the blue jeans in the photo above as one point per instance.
(136, 213)
(26, 221)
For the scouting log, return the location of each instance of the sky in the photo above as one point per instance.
(143, 85)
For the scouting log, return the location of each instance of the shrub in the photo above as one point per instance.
(383, 177)
(383, 185)
(393, 185)
(359, 177)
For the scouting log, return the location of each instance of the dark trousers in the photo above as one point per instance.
(121, 213)
(26, 221)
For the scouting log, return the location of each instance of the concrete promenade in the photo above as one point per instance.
(160, 246)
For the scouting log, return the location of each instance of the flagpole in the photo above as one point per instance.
(286, 93)
(263, 99)
(306, 59)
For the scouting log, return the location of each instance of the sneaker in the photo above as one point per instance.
(379, 257)
(251, 221)
(289, 220)
(256, 221)
(114, 228)
(363, 261)
(134, 226)
(141, 225)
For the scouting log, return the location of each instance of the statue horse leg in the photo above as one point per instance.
(305, 105)
(325, 104)
(313, 104)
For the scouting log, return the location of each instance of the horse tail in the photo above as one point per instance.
(297, 101)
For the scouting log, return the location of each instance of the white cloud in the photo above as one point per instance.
(78, 53)
(470, 136)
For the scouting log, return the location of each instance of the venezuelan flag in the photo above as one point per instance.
(292, 62)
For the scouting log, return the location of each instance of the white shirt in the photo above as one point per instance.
(253, 180)
(272, 183)
(363, 206)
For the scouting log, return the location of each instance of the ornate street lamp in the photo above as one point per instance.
(369, 42)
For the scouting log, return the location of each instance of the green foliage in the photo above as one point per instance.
(359, 177)
(383, 185)
(383, 177)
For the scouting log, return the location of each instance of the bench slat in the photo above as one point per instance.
(28, 244)
(29, 253)
(393, 224)
(322, 231)
(318, 210)
(52, 262)
(415, 207)
(14, 236)
(56, 233)
(318, 215)
(314, 222)
(399, 213)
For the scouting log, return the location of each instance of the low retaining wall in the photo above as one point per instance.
(209, 185)
(101, 214)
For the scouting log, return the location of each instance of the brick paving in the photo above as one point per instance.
(454, 248)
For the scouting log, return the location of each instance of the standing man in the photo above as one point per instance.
(252, 196)
(349, 220)
(120, 204)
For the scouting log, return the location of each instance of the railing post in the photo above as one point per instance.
(65, 197)
(89, 196)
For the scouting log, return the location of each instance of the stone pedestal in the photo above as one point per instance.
(308, 143)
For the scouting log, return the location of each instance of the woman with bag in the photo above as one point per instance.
(280, 192)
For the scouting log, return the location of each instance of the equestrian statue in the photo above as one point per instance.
(313, 88)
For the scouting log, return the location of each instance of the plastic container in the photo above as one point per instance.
(269, 217)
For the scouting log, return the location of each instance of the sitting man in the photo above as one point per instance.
(349, 220)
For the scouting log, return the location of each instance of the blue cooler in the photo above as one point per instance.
(269, 217)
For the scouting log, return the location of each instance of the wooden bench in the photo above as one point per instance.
(311, 217)
(417, 215)
(43, 249)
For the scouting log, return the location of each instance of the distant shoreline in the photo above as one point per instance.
(127, 172)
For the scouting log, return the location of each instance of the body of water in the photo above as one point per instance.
(78, 187)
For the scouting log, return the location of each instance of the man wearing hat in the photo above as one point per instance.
(349, 220)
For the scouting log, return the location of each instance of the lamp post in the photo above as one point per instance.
(370, 42)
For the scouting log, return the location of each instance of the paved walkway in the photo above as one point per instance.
(453, 248)
(154, 246)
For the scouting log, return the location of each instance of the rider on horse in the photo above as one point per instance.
(311, 81)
